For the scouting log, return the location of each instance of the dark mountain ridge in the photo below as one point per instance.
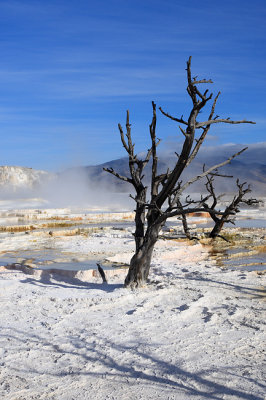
(249, 167)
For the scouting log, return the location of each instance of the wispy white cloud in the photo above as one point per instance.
(74, 67)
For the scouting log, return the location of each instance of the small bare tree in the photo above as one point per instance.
(167, 188)
(211, 201)
(228, 215)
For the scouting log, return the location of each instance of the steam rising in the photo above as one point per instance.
(72, 188)
(75, 188)
(91, 187)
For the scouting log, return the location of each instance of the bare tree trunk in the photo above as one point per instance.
(141, 261)
(217, 228)
(139, 267)
(140, 213)
(185, 226)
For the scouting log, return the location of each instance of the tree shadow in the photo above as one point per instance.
(59, 278)
(254, 292)
(161, 373)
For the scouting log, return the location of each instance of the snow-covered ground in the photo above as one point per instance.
(195, 332)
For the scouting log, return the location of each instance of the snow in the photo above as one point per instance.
(195, 332)
(13, 177)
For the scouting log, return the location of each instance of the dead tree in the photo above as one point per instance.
(211, 201)
(228, 215)
(167, 188)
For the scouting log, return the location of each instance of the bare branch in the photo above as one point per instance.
(182, 130)
(180, 120)
(221, 175)
(154, 152)
(222, 237)
(210, 170)
(202, 96)
(139, 201)
(177, 211)
(204, 133)
(195, 82)
(123, 138)
(123, 178)
(190, 88)
(193, 91)
(130, 144)
(148, 156)
(149, 153)
(210, 189)
(102, 273)
(226, 121)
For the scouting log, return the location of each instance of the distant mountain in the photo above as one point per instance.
(249, 167)
(91, 182)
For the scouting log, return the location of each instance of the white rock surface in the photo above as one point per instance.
(14, 178)
(195, 332)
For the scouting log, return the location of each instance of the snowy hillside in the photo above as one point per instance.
(15, 178)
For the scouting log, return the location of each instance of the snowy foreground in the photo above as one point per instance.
(195, 332)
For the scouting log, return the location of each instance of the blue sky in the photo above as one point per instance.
(69, 70)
